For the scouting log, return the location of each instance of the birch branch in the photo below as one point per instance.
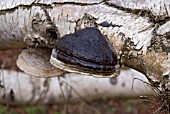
(18, 88)
(140, 30)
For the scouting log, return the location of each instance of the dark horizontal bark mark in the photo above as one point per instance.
(10, 10)
(141, 12)
(78, 3)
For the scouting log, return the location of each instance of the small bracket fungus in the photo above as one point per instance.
(36, 62)
(87, 52)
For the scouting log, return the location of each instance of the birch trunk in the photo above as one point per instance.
(137, 30)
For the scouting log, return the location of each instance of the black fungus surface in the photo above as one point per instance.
(87, 48)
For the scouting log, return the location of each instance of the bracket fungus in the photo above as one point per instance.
(86, 51)
(36, 62)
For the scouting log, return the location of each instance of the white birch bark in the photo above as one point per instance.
(141, 33)
(18, 88)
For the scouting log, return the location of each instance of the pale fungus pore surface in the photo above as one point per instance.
(87, 52)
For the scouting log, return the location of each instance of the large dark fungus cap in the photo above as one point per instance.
(86, 50)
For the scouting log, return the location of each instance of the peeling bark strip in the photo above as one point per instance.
(18, 88)
(138, 37)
